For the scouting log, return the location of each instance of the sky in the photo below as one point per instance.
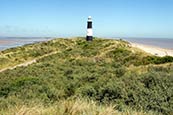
(68, 18)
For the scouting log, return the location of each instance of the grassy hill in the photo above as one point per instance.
(104, 74)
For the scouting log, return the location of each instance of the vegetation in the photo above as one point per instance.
(70, 107)
(102, 73)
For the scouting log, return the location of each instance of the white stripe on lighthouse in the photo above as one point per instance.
(89, 32)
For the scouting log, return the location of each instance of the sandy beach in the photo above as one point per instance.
(153, 49)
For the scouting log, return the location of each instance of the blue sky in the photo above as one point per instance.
(67, 18)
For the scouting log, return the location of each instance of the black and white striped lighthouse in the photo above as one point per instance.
(89, 36)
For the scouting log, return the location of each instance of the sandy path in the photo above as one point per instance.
(28, 62)
(153, 50)
(19, 65)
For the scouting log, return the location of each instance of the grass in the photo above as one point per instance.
(71, 107)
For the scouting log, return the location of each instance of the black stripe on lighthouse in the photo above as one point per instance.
(89, 25)
(89, 36)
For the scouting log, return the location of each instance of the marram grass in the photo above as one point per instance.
(71, 107)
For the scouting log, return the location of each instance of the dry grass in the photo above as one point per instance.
(70, 107)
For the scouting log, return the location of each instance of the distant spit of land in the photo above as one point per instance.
(4, 42)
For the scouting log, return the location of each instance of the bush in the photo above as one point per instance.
(157, 60)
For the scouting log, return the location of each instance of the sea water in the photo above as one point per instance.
(158, 42)
(9, 42)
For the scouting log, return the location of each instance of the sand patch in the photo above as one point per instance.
(153, 49)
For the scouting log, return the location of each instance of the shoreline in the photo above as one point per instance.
(154, 50)
(151, 49)
(12, 43)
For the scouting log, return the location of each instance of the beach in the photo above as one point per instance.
(154, 50)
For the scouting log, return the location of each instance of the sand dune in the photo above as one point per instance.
(153, 50)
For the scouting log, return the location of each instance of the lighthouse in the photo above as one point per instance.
(89, 36)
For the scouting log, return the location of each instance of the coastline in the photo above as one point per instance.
(151, 49)
(154, 50)
(14, 42)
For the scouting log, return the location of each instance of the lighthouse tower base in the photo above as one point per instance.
(89, 38)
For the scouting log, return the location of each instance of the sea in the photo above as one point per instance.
(10, 42)
(166, 43)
